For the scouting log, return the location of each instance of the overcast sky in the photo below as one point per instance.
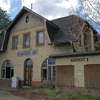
(49, 9)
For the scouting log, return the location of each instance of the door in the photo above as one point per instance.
(8, 72)
(92, 76)
(65, 75)
(28, 72)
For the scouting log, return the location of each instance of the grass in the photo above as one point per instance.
(50, 91)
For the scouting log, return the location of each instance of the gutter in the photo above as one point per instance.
(75, 54)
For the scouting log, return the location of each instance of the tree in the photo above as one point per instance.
(91, 10)
(4, 23)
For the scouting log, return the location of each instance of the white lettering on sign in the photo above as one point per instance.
(27, 53)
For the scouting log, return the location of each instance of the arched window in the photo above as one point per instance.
(49, 70)
(85, 39)
(7, 69)
(29, 63)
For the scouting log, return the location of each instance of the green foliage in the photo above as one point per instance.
(50, 87)
(4, 22)
(57, 95)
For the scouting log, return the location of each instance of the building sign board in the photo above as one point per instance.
(27, 53)
(79, 59)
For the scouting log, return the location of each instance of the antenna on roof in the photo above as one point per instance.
(31, 6)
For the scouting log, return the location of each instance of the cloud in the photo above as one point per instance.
(5, 5)
(68, 4)
(14, 9)
(51, 9)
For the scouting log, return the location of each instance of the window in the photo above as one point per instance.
(26, 42)
(85, 39)
(49, 70)
(80, 41)
(27, 19)
(7, 69)
(40, 38)
(28, 62)
(15, 42)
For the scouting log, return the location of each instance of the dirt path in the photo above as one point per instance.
(6, 95)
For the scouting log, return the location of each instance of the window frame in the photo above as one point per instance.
(7, 64)
(27, 19)
(13, 42)
(24, 42)
(51, 75)
(37, 37)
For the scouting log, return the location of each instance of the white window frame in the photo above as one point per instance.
(52, 73)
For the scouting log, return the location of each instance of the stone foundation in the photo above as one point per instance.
(36, 83)
(6, 82)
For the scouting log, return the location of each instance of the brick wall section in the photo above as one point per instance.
(36, 83)
(21, 83)
(5, 82)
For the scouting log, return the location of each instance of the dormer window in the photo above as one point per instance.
(27, 19)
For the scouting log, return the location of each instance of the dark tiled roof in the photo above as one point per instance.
(70, 29)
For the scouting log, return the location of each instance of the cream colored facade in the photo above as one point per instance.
(37, 23)
(78, 63)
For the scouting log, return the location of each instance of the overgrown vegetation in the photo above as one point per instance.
(49, 90)
(4, 23)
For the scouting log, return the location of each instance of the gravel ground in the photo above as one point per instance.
(6, 95)
(31, 95)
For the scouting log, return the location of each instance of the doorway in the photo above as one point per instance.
(28, 71)
(92, 75)
(7, 69)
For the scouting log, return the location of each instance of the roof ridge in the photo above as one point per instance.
(68, 17)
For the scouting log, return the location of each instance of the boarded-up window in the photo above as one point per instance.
(65, 75)
(92, 75)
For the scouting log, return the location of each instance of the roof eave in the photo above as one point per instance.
(19, 15)
(75, 54)
(54, 25)
(15, 20)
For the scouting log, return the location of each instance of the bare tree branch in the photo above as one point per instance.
(91, 10)
(94, 8)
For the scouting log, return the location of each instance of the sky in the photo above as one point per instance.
(50, 9)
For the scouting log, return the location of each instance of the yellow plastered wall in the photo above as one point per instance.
(78, 66)
(35, 23)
